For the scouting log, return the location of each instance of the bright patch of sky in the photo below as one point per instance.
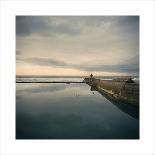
(77, 45)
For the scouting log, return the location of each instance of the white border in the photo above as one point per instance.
(7, 72)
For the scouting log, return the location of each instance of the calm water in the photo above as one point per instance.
(71, 111)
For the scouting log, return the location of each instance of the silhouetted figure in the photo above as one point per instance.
(91, 75)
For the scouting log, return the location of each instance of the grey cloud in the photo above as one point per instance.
(129, 20)
(126, 23)
(45, 62)
(43, 25)
(133, 60)
(68, 25)
(110, 68)
(111, 37)
(85, 67)
(18, 52)
(123, 32)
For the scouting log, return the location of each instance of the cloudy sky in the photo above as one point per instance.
(77, 45)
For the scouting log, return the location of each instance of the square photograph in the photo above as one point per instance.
(77, 77)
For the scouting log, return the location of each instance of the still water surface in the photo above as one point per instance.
(70, 111)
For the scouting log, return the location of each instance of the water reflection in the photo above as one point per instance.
(33, 88)
(126, 108)
(61, 111)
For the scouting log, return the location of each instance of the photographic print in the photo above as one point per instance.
(77, 77)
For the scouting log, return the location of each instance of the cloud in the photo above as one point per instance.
(44, 26)
(133, 60)
(45, 62)
(65, 25)
(87, 43)
(84, 67)
(18, 52)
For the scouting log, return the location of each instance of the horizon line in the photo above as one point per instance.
(75, 75)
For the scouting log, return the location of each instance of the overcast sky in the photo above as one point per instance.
(77, 45)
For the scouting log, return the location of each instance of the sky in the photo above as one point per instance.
(77, 45)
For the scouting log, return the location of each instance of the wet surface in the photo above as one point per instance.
(71, 111)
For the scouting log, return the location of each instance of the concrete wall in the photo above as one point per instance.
(111, 85)
(126, 92)
(131, 93)
(122, 91)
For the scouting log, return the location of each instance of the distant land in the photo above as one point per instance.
(69, 76)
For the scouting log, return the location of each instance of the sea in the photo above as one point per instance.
(70, 111)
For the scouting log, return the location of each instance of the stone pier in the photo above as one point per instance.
(121, 90)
